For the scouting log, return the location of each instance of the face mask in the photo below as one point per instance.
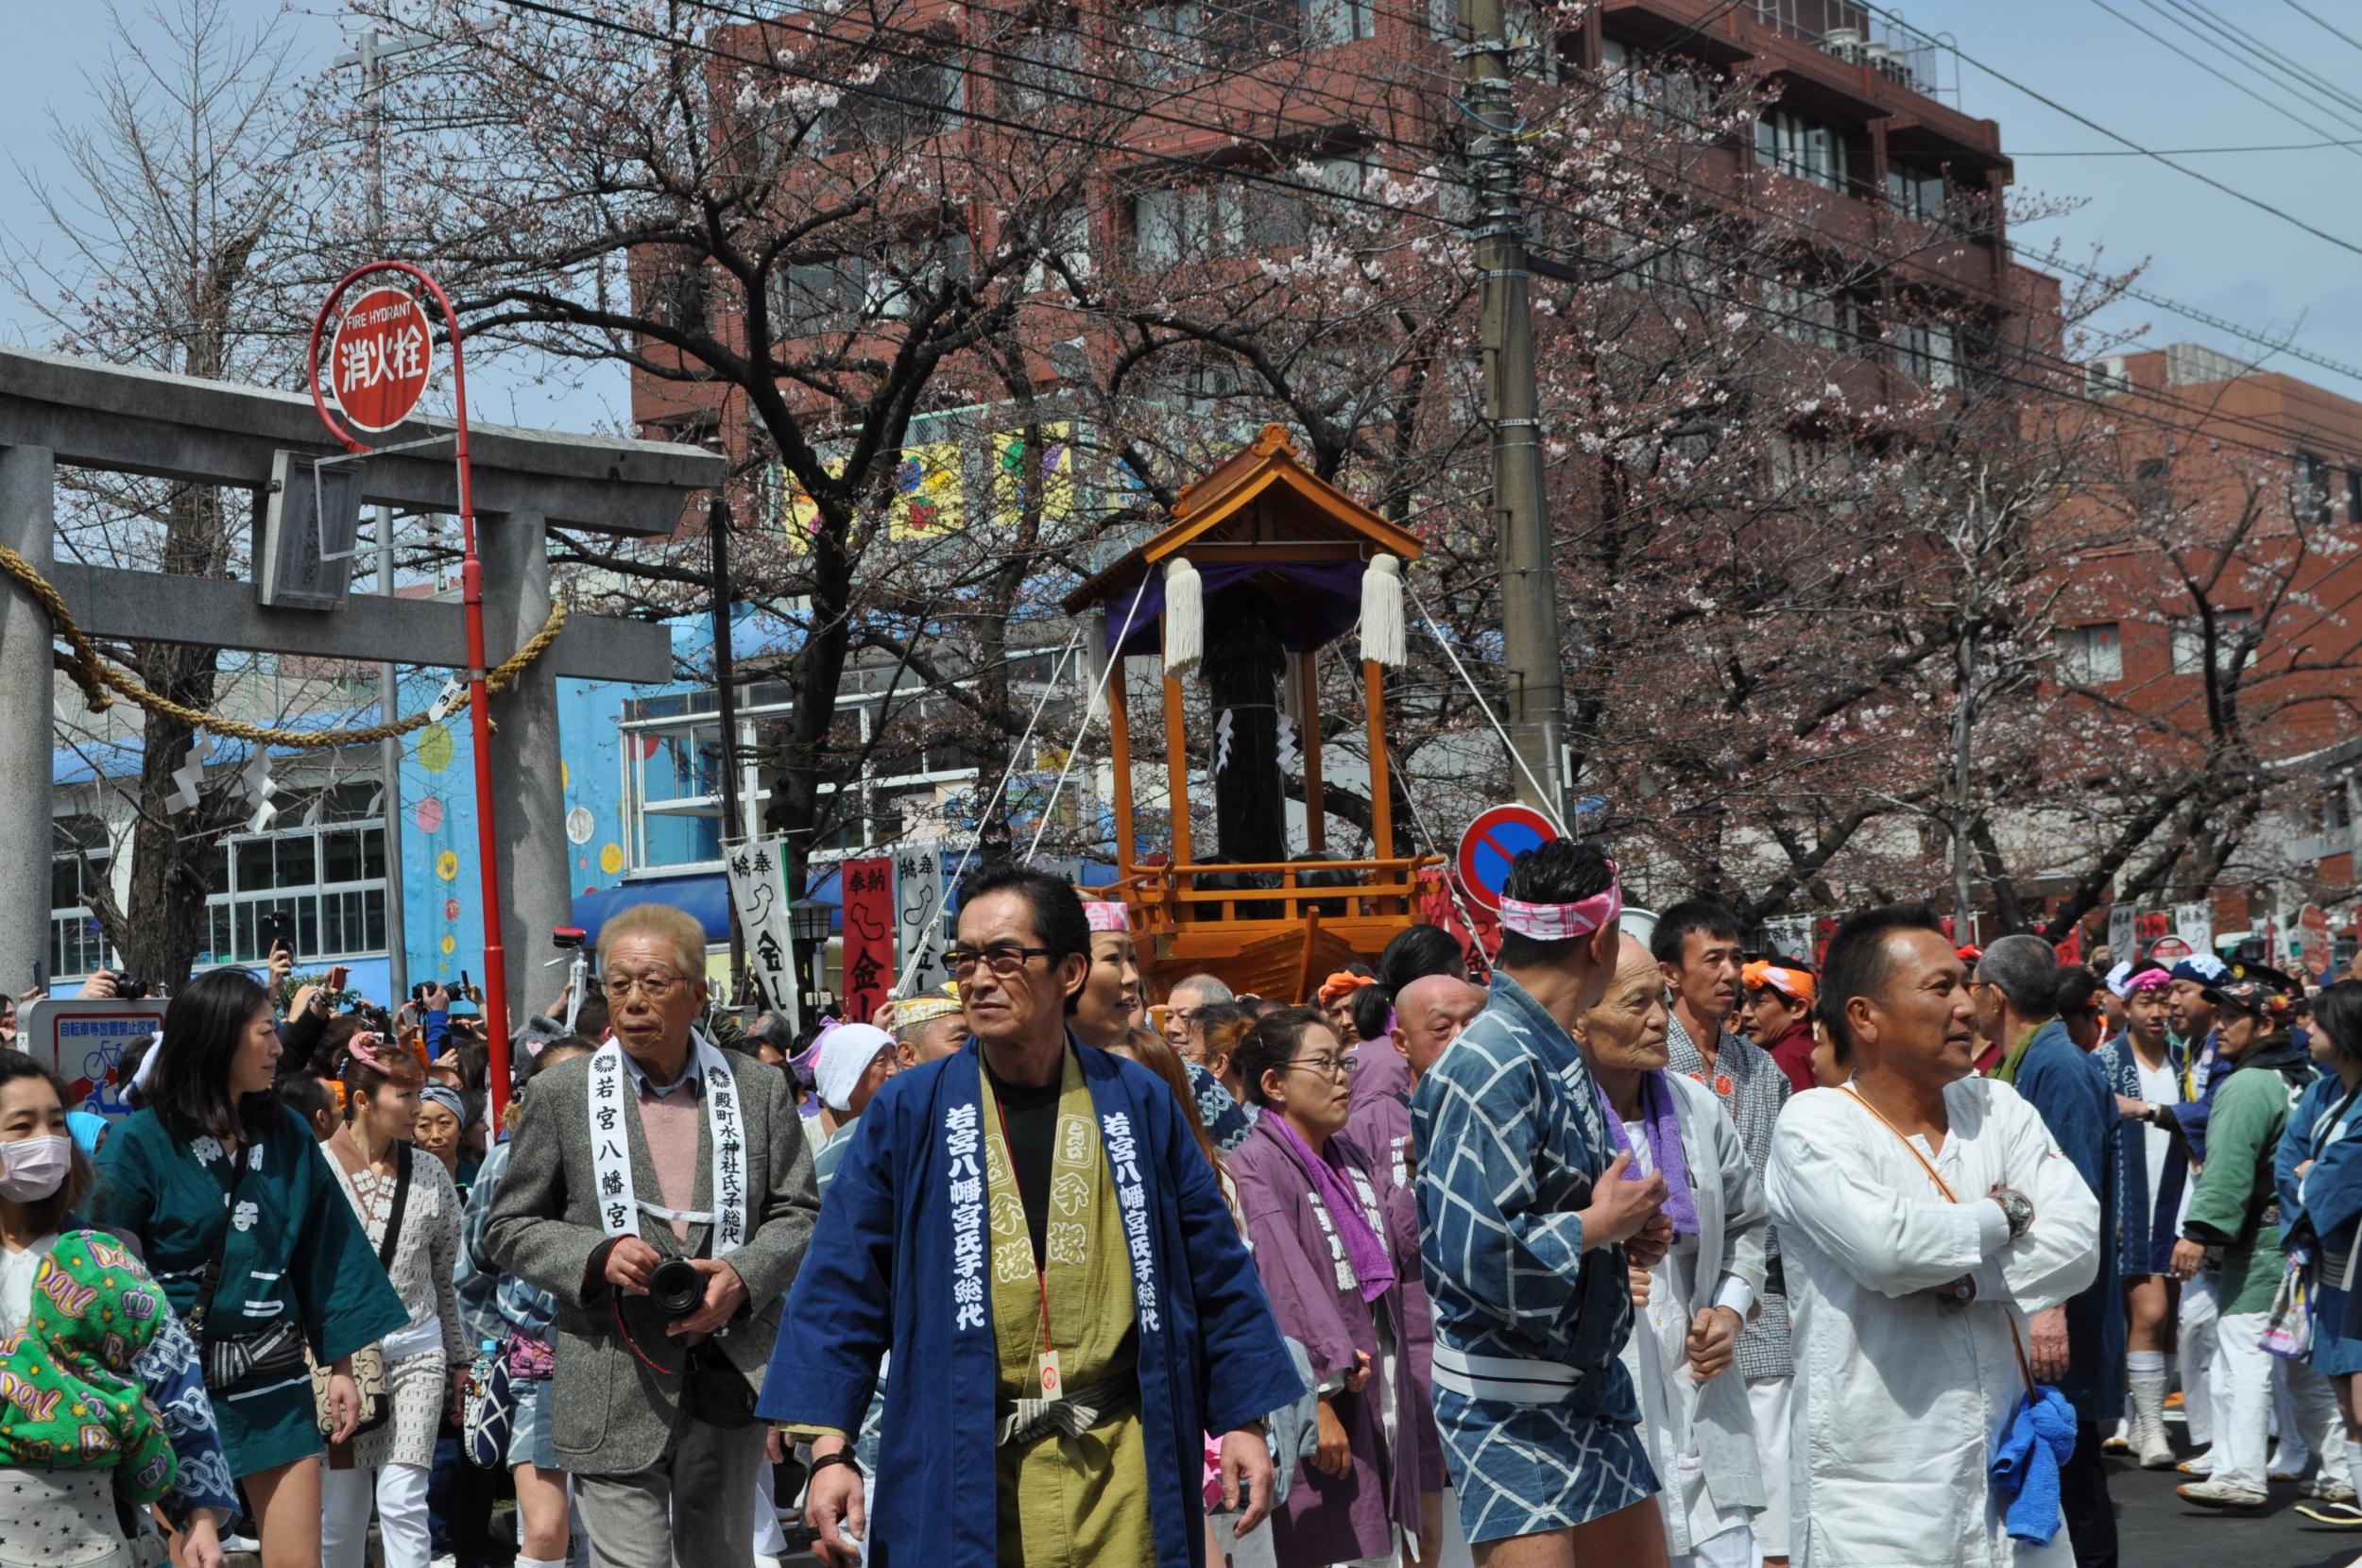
(33, 1168)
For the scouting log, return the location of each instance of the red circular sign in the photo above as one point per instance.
(379, 360)
(1496, 838)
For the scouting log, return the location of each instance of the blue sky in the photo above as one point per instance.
(2207, 249)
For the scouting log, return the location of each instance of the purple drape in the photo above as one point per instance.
(1318, 602)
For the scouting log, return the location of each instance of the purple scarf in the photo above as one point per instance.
(1363, 1249)
(1662, 1130)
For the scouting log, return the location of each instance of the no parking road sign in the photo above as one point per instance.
(1496, 836)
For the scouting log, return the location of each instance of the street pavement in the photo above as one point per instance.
(2155, 1528)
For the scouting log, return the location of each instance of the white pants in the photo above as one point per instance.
(399, 1490)
(1771, 1401)
(1733, 1548)
(2243, 1405)
(2198, 1357)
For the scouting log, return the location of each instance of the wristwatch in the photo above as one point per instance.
(2018, 1209)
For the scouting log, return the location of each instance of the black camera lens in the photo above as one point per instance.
(676, 1289)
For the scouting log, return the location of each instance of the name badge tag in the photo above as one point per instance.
(1051, 1382)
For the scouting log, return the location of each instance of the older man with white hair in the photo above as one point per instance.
(652, 1166)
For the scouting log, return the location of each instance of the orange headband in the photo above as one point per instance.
(1797, 986)
(1343, 984)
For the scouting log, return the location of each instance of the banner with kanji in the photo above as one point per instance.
(758, 878)
(918, 908)
(870, 926)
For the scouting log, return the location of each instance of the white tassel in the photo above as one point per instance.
(1384, 637)
(1185, 617)
(1095, 670)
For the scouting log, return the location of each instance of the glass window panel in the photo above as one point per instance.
(253, 865)
(372, 853)
(307, 912)
(340, 858)
(373, 907)
(296, 865)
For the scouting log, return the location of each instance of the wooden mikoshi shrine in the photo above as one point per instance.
(1263, 565)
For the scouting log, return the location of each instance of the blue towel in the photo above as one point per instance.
(2025, 1464)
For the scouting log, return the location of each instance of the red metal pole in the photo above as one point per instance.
(480, 718)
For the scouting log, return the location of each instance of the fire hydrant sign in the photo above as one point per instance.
(379, 360)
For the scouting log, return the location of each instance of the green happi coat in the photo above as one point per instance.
(289, 1243)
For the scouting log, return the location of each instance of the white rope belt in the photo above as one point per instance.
(1511, 1379)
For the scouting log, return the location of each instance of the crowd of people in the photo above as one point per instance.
(1623, 1243)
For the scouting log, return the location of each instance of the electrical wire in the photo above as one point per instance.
(2064, 366)
(2325, 26)
(2276, 106)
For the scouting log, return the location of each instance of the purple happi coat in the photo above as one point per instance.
(1333, 1518)
(1378, 1138)
(1378, 1071)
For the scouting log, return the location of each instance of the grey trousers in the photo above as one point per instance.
(674, 1511)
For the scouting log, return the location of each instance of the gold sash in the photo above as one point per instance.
(1066, 1500)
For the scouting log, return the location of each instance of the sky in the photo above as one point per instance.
(2204, 247)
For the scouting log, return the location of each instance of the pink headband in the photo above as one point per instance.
(1107, 917)
(1565, 922)
(2148, 979)
(372, 1053)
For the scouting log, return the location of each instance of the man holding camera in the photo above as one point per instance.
(665, 1198)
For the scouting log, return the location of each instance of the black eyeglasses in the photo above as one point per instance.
(1001, 958)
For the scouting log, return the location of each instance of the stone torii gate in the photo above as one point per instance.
(59, 410)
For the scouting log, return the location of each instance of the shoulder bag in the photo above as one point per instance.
(368, 1363)
(245, 1362)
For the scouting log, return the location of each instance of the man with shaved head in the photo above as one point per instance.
(1430, 1012)
(1926, 1214)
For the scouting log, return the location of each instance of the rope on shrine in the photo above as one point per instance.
(100, 680)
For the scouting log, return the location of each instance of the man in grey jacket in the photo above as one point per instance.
(659, 1147)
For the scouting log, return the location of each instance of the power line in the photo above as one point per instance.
(2180, 152)
(2308, 15)
(2121, 140)
(2339, 107)
(2218, 74)
(2064, 366)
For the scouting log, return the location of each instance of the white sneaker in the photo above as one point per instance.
(2199, 1463)
(234, 1541)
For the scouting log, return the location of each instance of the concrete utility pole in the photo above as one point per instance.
(1536, 718)
(373, 52)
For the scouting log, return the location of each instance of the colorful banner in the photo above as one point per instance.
(870, 924)
(794, 513)
(1056, 475)
(927, 493)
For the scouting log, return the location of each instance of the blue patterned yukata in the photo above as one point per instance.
(1540, 1422)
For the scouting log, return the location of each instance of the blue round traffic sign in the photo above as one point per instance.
(1496, 836)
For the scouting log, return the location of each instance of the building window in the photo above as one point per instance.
(2232, 630)
(2152, 484)
(1821, 317)
(328, 877)
(1808, 149)
(1339, 21)
(915, 97)
(2091, 656)
(2313, 487)
(1180, 223)
(75, 947)
(1930, 353)
(1920, 195)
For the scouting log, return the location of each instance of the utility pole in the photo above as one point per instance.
(1536, 719)
(370, 57)
(726, 713)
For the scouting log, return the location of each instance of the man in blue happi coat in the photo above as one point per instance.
(1030, 1229)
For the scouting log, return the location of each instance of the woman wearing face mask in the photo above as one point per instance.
(121, 1354)
(410, 1211)
(240, 1218)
